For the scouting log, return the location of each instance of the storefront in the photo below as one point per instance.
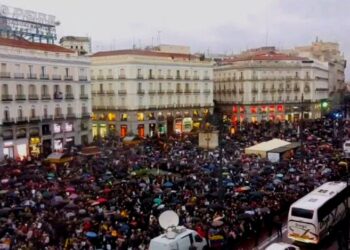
(178, 125)
(69, 141)
(94, 130)
(47, 147)
(34, 146)
(123, 130)
(58, 144)
(152, 129)
(103, 130)
(187, 124)
(141, 130)
(9, 149)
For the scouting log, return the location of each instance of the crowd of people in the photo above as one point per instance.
(112, 200)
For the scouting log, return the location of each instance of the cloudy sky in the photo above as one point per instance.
(221, 26)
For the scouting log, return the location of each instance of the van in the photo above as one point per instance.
(186, 239)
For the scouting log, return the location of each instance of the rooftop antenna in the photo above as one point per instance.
(169, 220)
(158, 36)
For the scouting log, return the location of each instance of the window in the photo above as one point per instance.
(20, 112)
(45, 111)
(67, 71)
(30, 68)
(19, 88)
(7, 113)
(139, 86)
(5, 90)
(302, 213)
(101, 87)
(42, 70)
(82, 90)
(32, 111)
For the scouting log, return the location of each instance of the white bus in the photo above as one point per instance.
(314, 215)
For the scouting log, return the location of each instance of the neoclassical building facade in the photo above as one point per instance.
(143, 92)
(45, 98)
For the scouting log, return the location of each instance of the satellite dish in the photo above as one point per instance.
(168, 219)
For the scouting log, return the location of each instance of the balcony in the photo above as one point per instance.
(196, 91)
(161, 92)
(206, 91)
(141, 107)
(152, 106)
(84, 97)
(56, 77)
(99, 92)
(21, 119)
(44, 77)
(21, 97)
(58, 117)
(47, 118)
(100, 77)
(32, 76)
(307, 89)
(8, 121)
(152, 92)
(169, 77)
(255, 91)
(296, 89)
(188, 91)
(85, 115)
(93, 77)
(179, 91)
(272, 90)
(139, 77)
(151, 77)
(69, 96)
(241, 91)
(68, 78)
(140, 92)
(83, 78)
(187, 78)
(110, 77)
(6, 98)
(206, 78)
(110, 92)
(33, 97)
(70, 116)
(5, 74)
(58, 96)
(288, 89)
(122, 92)
(178, 77)
(280, 90)
(170, 91)
(196, 78)
(234, 91)
(34, 118)
(264, 90)
(18, 76)
(45, 97)
(121, 77)
(160, 77)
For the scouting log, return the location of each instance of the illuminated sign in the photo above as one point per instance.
(27, 15)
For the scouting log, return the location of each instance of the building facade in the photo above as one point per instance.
(79, 44)
(266, 85)
(143, 92)
(330, 53)
(45, 98)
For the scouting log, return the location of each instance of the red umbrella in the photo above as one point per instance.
(107, 190)
(70, 189)
(101, 200)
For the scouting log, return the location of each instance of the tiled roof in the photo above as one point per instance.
(24, 44)
(145, 53)
(267, 56)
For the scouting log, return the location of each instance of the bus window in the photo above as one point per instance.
(302, 213)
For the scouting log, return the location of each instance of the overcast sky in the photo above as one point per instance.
(220, 26)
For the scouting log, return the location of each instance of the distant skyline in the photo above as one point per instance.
(222, 26)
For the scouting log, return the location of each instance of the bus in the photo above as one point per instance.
(313, 216)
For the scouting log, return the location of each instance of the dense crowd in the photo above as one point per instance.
(112, 200)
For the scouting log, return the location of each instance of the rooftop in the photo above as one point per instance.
(25, 44)
(75, 38)
(150, 53)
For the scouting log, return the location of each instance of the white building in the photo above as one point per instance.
(147, 91)
(271, 86)
(45, 98)
(82, 45)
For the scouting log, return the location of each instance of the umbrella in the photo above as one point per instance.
(73, 196)
(101, 200)
(107, 190)
(230, 184)
(342, 163)
(28, 203)
(168, 184)
(326, 171)
(276, 181)
(242, 189)
(70, 214)
(217, 223)
(279, 175)
(5, 210)
(157, 201)
(70, 189)
(71, 206)
(161, 206)
(3, 191)
(292, 170)
(4, 181)
(91, 234)
(82, 211)
(95, 203)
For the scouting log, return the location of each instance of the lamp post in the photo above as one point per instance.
(301, 125)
